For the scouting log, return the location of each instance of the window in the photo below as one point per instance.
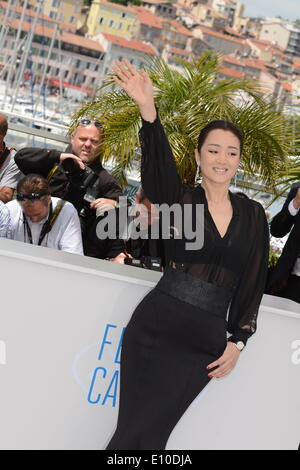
(111, 23)
(53, 15)
(72, 19)
(66, 74)
(55, 3)
(123, 15)
(120, 26)
(101, 21)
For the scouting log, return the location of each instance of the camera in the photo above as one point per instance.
(73, 172)
(146, 262)
(81, 186)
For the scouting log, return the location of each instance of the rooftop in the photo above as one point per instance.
(231, 72)
(130, 44)
(225, 37)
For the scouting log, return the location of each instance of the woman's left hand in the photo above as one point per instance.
(226, 362)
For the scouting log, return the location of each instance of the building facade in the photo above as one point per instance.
(112, 18)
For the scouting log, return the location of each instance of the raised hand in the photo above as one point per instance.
(137, 85)
(64, 156)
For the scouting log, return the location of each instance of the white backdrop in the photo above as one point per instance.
(61, 322)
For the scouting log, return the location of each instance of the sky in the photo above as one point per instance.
(289, 9)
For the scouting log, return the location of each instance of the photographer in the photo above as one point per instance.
(141, 250)
(39, 219)
(76, 175)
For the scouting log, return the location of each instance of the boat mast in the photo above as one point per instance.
(45, 69)
(25, 58)
(16, 48)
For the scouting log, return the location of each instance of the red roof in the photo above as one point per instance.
(286, 86)
(231, 72)
(132, 44)
(255, 64)
(147, 17)
(56, 82)
(225, 37)
(177, 51)
(232, 60)
(65, 37)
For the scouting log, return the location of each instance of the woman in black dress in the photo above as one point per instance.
(176, 340)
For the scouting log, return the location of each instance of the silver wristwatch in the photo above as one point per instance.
(240, 345)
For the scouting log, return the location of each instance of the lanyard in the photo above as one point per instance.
(45, 229)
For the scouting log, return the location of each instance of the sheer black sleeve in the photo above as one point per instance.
(160, 180)
(244, 306)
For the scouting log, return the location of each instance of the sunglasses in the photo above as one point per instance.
(31, 197)
(87, 122)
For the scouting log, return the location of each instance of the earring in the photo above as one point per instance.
(235, 176)
(198, 178)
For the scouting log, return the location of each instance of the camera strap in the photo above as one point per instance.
(52, 172)
(47, 227)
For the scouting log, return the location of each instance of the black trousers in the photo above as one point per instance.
(166, 347)
(292, 289)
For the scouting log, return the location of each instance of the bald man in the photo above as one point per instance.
(9, 172)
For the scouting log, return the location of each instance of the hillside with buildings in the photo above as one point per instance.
(70, 44)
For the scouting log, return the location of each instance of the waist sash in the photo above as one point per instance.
(190, 289)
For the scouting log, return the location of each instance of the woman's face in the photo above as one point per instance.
(219, 156)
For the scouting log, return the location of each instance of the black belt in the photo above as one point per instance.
(190, 289)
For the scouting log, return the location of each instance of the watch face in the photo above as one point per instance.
(240, 345)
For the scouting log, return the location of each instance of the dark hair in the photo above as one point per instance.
(33, 184)
(219, 124)
(241, 194)
(3, 125)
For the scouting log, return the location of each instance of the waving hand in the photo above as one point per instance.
(137, 85)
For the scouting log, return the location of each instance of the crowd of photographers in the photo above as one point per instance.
(59, 200)
(56, 200)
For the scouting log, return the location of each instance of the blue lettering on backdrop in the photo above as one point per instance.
(103, 379)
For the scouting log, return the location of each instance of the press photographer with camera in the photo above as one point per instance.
(78, 176)
(141, 250)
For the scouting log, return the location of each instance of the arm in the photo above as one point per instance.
(160, 179)
(249, 291)
(284, 220)
(9, 179)
(6, 194)
(37, 160)
(41, 161)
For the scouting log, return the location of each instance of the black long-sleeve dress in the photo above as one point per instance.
(181, 325)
